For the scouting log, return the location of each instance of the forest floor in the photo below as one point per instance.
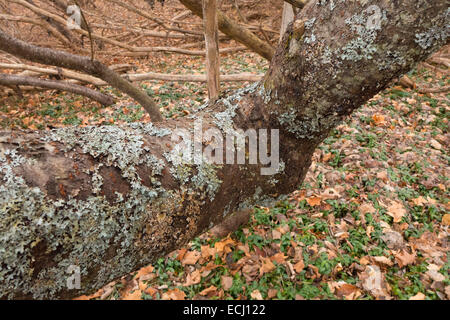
(370, 220)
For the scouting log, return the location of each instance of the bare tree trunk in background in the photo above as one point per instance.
(287, 17)
(112, 199)
(232, 29)
(212, 48)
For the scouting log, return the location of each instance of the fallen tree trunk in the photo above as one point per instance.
(13, 80)
(130, 76)
(109, 199)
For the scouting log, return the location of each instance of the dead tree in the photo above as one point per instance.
(111, 199)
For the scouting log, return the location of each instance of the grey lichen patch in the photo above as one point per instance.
(307, 128)
(97, 180)
(224, 119)
(433, 35)
(206, 179)
(81, 232)
(203, 179)
(393, 60)
(366, 25)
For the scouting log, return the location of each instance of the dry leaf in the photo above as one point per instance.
(299, 266)
(434, 274)
(175, 294)
(367, 208)
(383, 261)
(378, 119)
(222, 245)
(208, 290)
(271, 293)
(276, 235)
(403, 257)
(418, 296)
(192, 278)
(396, 210)
(135, 295)
(266, 266)
(278, 258)
(144, 271)
(191, 257)
(207, 251)
(374, 282)
(345, 289)
(227, 282)
(256, 295)
(446, 219)
(313, 201)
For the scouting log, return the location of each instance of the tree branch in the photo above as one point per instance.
(13, 80)
(232, 29)
(70, 61)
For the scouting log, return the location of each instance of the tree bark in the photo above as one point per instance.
(297, 3)
(112, 199)
(232, 29)
(212, 48)
(286, 18)
(95, 68)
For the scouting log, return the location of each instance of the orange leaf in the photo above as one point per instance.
(144, 271)
(404, 258)
(221, 245)
(278, 258)
(266, 266)
(299, 266)
(396, 210)
(378, 119)
(192, 278)
(314, 201)
(191, 257)
(175, 294)
(136, 295)
(227, 282)
(208, 290)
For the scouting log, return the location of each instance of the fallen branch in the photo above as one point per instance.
(146, 50)
(70, 61)
(192, 78)
(13, 80)
(131, 77)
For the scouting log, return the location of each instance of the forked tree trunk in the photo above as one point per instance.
(112, 199)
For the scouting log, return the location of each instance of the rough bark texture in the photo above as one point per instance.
(232, 29)
(212, 47)
(112, 199)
